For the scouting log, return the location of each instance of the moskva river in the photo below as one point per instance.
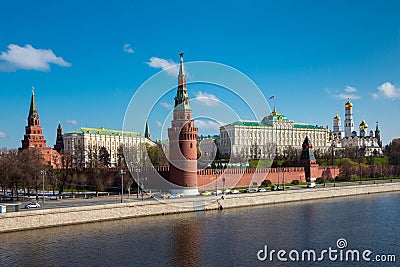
(315, 233)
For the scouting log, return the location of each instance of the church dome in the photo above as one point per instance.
(336, 118)
(363, 125)
(348, 104)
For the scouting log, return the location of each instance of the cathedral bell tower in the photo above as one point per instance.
(348, 119)
(183, 141)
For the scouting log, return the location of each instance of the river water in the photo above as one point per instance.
(218, 238)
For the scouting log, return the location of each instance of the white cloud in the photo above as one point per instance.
(166, 105)
(350, 89)
(207, 99)
(208, 125)
(388, 90)
(128, 49)
(375, 96)
(158, 123)
(345, 96)
(349, 92)
(3, 134)
(29, 58)
(168, 65)
(73, 122)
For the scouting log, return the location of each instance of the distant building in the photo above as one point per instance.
(370, 141)
(84, 144)
(34, 138)
(268, 138)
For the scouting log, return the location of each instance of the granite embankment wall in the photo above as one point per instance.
(75, 215)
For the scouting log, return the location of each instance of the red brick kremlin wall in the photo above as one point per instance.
(248, 177)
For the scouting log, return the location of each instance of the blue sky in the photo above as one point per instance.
(86, 59)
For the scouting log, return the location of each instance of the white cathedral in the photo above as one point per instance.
(369, 141)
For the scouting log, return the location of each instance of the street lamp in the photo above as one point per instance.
(42, 172)
(216, 182)
(373, 166)
(223, 185)
(143, 180)
(334, 176)
(122, 172)
(137, 170)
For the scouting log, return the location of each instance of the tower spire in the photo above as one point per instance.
(147, 131)
(33, 112)
(181, 65)
(182, 101)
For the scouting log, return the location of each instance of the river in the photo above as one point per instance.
(218, 238)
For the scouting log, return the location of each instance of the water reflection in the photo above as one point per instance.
(214, 238)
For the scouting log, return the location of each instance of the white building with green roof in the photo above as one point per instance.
(83, 143)
(274, 135)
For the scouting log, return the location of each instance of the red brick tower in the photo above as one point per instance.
(33, 132)
(182, 141)
(34, 138)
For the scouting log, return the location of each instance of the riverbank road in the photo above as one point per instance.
(103, 200)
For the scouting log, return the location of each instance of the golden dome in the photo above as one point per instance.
(336, 118)
(363, 125)
(274, 113)
(348, 104)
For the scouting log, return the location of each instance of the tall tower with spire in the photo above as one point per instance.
(147, 131)
(348, 119)
(183, 141)
(33, 131)
(59, 146)
(34, 138)
(378, 135)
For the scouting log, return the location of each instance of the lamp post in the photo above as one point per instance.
(122, 172)
(373, 168)
(283, 179)
(42, 172)
(278, 170)
(143, 180)
(216, 182)
(137, 170)
(334, 176)
(223, 185)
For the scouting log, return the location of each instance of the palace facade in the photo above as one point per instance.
(84, 145)
(268, 138)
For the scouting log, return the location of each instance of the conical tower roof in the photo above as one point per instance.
(33, 112)
(147, 131)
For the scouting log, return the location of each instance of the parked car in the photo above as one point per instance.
(218, 191)
(226, 191)
(234, 191)
(32, 205)
(262, 189)
(311, 185)
(251, 190)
